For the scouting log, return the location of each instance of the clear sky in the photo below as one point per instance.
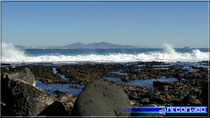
(146, 24)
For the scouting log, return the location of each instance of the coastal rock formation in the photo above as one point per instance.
(205, 92)
(46, 74)
(23, 99)
(23, 74)
(158, 83)
(100, 98)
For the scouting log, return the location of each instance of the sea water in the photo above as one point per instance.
(47, 57)
(167, 54)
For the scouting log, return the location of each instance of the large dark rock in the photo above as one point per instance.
(205, 92)
(55, 109)
(22, 74)
(23, 99)
(100, 98)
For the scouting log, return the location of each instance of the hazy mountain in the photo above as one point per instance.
(78, 45)
(100, 45)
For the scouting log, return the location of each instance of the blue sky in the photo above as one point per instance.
(147, 24)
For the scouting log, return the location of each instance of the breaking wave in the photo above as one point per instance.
(10, 54)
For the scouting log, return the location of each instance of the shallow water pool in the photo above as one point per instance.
(61, 87)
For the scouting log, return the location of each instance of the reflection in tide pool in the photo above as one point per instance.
(61, 87)
(147, 82)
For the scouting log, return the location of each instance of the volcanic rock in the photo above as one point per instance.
(133, 96)
(204, 94)
(158, 83)
(23, 99)
(145, 100)
(23, 74)
(100, 98)
(191, 100)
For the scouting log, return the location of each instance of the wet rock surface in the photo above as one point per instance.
(100, 98)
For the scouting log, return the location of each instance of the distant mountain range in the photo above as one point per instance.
(78, 45)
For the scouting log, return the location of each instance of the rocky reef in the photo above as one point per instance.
(101, 95)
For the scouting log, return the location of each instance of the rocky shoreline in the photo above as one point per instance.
(18, 87)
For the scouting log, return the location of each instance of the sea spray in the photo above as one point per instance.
(10, 54)
(168, 49)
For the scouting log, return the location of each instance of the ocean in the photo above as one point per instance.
(10, 54)
(47, 62)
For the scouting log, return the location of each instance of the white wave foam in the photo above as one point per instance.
(12, 55)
